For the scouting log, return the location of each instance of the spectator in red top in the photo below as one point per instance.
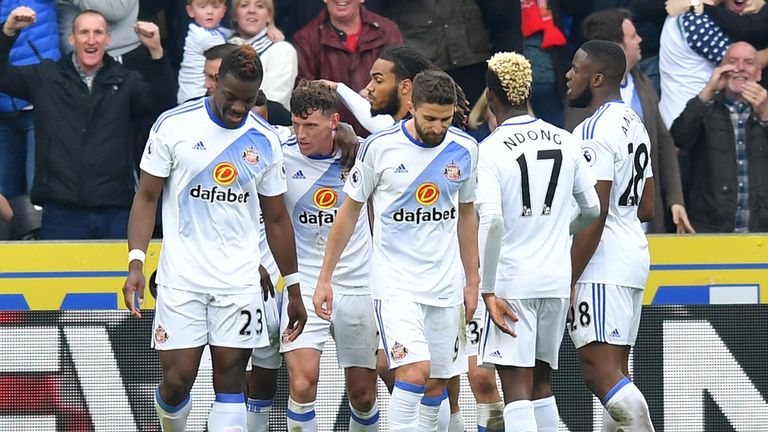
(342, 43)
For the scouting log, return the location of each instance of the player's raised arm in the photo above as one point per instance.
(141, 222)
(339, 236)
(277, 223)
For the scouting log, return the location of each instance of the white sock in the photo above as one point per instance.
(301, 416)
(608, 424)
(519, 416)
(626, 405)
(457, 422)
(546, 414)
(362, 421)
(228, 413)
(258, 414)
(172, 418)
(490, 417)
(444, 413)
(404, 406)
(429, 412)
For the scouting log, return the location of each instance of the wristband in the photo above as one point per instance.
(291, 279)
(136, 254)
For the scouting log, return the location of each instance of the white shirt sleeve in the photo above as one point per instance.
(468, 188)
(157, 159)
(281, 67)
(361, 109)
(362, 179)
(601, 157)
(583, 177)
(273, 180)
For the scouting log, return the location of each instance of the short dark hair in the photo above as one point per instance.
(312, 95)
(608, 58)
(433, 86)
(87, 12)
(219, 51)
(243, 63)
(606, 25)
(407, 62)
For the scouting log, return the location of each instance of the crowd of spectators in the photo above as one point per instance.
(80, 90)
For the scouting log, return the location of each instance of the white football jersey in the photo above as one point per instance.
(531, 170)
(416, 191)
(210, 206)
(617, 148)
(267, 260)
(315, 193)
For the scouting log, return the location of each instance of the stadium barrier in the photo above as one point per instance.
(702, 368)
(701, 269)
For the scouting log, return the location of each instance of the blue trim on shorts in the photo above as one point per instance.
(615, 389)
(230, 398)
(485, 336)
(170, 409)
(602, 312)
(365, 422)
(480, 428)
(305, 417)
(410, 387)
(377, 310)
(594, 313)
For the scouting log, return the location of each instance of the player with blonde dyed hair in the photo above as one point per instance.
(528, 173)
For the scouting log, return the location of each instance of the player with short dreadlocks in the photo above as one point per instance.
(529, 171)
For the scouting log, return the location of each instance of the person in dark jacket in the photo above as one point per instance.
(724, 132)
(341, 44)
(85, 169)
(17, 140)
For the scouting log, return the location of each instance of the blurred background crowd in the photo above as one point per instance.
(77, 105)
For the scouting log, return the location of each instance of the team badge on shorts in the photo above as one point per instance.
(251, 156)
(160, 335)
(398, 351)
(452, 171)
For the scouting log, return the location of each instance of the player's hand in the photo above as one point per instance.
(499, 311)
(322, 300)
(470, 302)
(297, 315)
(149, 35)
(274, 34)
(757, 96)
(19, 19)
(134, 284)
(345, 139)
(267, 288)
(680, 218)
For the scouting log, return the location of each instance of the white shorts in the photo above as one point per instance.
(352, 326)
(475, 329)
(186, 319)
(605, 313)
(414, 332)
(539, 333)
(269, 357)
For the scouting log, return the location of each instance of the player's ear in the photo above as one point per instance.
(411, 108)
(334, 121)
(598, 80)
(406, 86)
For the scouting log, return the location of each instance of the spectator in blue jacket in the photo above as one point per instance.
(17, 135)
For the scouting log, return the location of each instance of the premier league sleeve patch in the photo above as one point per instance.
(589, 155)
(355, 177)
